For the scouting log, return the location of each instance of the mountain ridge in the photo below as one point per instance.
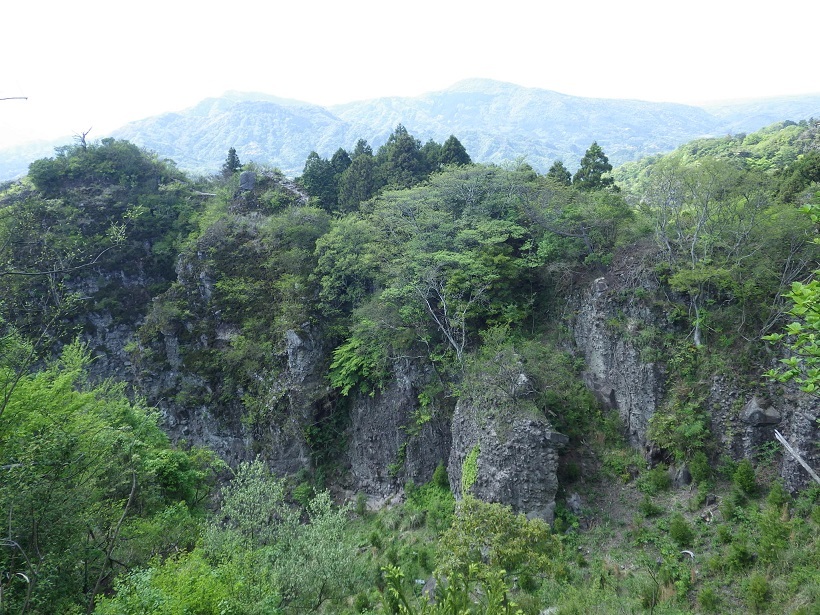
(496, 121)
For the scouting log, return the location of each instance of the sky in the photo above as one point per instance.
(90, 65)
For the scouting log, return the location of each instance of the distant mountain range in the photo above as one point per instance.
(495, 121)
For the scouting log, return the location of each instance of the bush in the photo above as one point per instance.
(778, 496)
(744, 477)
(740, 556)
(681, 531)
(440, 478)
(699, 467)
(655, 480)
(709, 600)
(757, 592)
(648, 508)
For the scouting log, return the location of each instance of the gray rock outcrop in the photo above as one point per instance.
(604, 333)
(517, 455)
(609, 317)
(388, 446)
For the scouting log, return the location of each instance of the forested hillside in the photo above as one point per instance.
(406, 382)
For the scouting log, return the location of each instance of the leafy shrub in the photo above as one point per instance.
(744, 477)
(709, 600)
(469, 470)
(303, 493)
(655, 480)
(740, 555)
(622, 464)
(440, 478)
(434, 499)
(681, 531)
(778, 496)
(648, 508)
(699, 467)
(774, 528)
(757, 592)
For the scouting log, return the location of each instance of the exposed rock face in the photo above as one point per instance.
(517, 459)
(607, 317)
(615, 372)
(801, 428)
(247, 180)
(387, 448)
(758, 413)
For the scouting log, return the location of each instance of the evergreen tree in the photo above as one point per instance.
(559, 173)
(400, 160)
(594, 165)
(358, 183)
(340, 161)
(232, 164)
(453, 152)
(361, 149)
(431, 154)
(319, 180)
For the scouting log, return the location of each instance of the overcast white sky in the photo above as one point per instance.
(100, 63)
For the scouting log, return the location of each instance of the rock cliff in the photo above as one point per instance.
(615, 324)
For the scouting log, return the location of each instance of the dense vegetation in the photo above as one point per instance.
(407, 253)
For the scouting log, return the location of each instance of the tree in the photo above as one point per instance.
(401, 164)
(358, 183)
(431, 153)
(232, 164)
(361, 149)
(594, 165)
(340, 161)
(453, 152)
(88, 487)
(319, 179)
(559, 173)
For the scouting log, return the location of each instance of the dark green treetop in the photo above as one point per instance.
(453, 152)
(232, 164)
(559, 173)
(594, 165)
(340, 161)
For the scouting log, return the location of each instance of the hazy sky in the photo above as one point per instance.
(89, 64)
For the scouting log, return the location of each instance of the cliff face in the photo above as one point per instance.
(604, 331)
(393, 439)
(612, 324)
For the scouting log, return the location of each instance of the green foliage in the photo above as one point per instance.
(757, 592)
(649, 508)
(440, 478)
(681, 429)
(90, 485)
(469, 470)
(592, 173)
(699, 467)
(252, 560)
(801, 335)
(359, 365)
(453, 152)
(744, 477)
(493, 538)
(467, 594)
(559, 173)
(709, 600)
(232, 164)
(96, 207)
(434, 499)
(654, 481)
(680, 530)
